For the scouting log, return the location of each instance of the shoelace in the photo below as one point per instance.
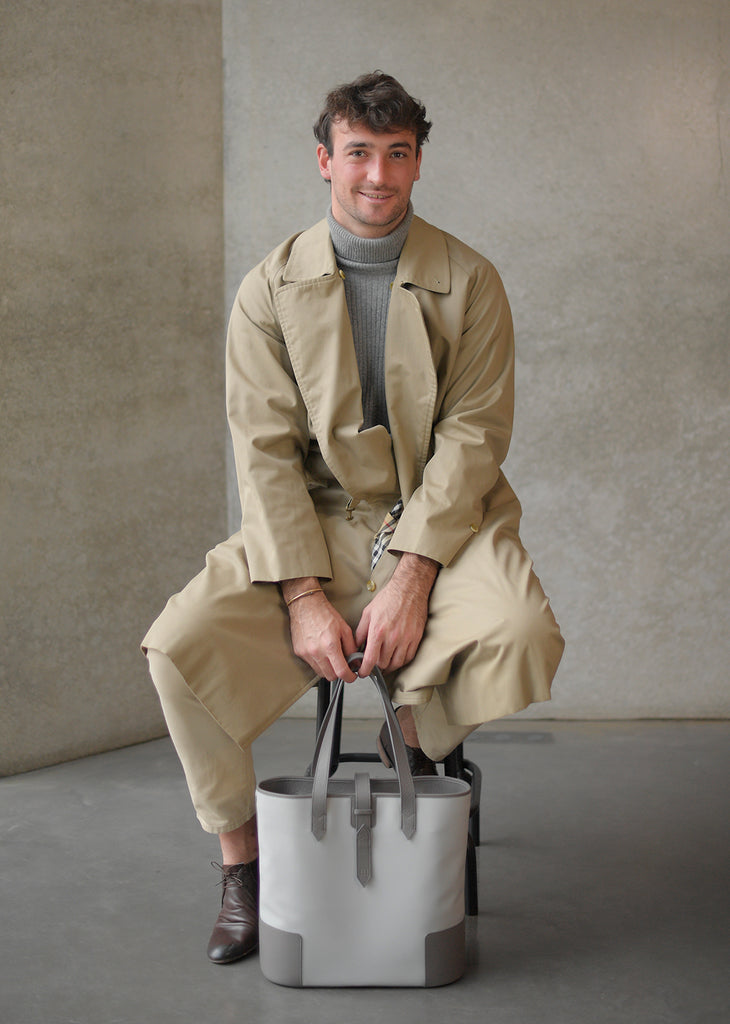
(228, 875)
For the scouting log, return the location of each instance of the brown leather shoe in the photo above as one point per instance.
(418, 762)
(236, 932)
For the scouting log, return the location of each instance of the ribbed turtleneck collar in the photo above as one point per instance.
(355, 249)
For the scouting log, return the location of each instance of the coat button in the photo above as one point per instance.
(342, 274)
(473, 528)
(371, 585)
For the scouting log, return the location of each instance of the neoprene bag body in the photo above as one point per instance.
(362, 879)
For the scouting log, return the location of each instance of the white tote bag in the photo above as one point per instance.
(362, 880)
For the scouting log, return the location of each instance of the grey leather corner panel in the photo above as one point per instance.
(445, 955)
(280, 954)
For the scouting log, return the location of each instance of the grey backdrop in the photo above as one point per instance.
(583, 147)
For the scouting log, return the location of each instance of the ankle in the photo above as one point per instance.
(237, 866)
(241, 845)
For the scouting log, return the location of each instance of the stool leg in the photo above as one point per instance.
(323, 700)
(457, 767)
(324, 696)
(473, 775)
(471, 892)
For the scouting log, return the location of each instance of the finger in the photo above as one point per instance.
(361, 633)
(345, 672)
(321, 659)
(402, 654)
(395, 651)
(354, 667)
(391, 648)
(321, 669)
(370, 658)
(349, 645)
(341, 668)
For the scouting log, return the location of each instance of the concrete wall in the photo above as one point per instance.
(584, 147)
(112, 453)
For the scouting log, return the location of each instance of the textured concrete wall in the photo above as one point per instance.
(584, 147)
(112, 456)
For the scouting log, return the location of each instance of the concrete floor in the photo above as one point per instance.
(604, 876)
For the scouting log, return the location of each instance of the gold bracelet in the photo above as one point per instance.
(304, 593)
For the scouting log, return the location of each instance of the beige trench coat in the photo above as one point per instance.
(295, 414)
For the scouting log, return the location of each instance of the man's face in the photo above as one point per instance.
(372, 175)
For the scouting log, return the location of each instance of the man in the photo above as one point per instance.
(369, 383)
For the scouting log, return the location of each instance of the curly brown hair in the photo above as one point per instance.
(377, 101)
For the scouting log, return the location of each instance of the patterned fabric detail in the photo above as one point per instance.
(385, 533)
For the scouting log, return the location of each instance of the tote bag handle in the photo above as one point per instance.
(323, 756)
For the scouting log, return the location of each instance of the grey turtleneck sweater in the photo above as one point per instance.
(369, 266)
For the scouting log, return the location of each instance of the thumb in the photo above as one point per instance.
(361, 633)
(349, 644)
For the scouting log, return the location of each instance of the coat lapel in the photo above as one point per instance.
(312, 310)
(410, 376)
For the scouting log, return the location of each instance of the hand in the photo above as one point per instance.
(320, 636)
(392, 625)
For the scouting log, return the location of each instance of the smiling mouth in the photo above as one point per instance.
(376, 195)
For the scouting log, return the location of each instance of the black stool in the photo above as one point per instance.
(456, 766)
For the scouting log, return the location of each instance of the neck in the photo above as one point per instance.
(369, 250)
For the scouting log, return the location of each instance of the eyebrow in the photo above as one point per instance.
(404, 144)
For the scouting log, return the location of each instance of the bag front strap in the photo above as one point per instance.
(363, 814)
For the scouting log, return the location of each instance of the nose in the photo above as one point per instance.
(377, 170)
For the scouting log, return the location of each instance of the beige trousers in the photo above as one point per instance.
(221, 658)
(219, 773)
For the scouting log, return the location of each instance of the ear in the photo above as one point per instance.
(418, 165)
(323, 160)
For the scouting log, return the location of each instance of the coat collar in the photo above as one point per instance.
(424, 260)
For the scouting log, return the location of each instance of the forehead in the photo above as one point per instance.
(345, 135)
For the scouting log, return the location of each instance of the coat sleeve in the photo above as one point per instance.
(281, 533)
(472, 429)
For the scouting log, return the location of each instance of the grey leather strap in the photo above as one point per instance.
(363, 814)
(323, 755)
